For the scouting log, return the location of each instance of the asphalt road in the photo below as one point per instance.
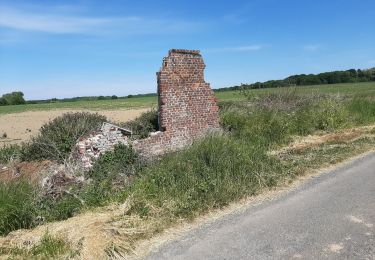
(328, 217)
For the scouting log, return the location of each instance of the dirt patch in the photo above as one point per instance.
(30, 171)
(20, 127)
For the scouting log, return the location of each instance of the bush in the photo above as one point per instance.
(17, 206)
(144, 124)
(57, 138)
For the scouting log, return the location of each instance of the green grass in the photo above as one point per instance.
(18, 207)
(48, 248)
(366, 89)
(216, 170)
(126, 103)
(137, 102)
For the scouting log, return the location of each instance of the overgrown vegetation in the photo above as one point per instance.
(210, 174)
(144, 124)
(57, 138)
(24, 205)
(17, 206)
(222, 168)
(9, 153)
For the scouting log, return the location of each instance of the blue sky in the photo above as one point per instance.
(73, 48)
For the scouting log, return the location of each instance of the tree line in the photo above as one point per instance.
(333, 77)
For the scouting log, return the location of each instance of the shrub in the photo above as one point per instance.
(144, 124)
(57, 138)
(17, 206)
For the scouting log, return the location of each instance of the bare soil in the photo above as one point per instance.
(20, 127)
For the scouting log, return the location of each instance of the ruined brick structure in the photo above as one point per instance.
(187, 105)
(187, 110)
(90, 147)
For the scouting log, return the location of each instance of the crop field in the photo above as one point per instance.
(366, 89)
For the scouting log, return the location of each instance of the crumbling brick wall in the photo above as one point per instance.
(90, 147)
(187, 105)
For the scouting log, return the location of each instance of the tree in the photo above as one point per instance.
(14, 98)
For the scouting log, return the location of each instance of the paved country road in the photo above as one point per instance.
(328, 217)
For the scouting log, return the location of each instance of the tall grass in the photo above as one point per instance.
(213, 172)
(18, 207)
(362, 110)
(210, 174)
(9, 153)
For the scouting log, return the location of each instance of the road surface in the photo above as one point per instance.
(328, 217)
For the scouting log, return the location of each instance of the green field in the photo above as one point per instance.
(366, 89)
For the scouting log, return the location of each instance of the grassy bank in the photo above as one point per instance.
(214, 171)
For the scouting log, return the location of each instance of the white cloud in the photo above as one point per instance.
(49, 22)
(311, 47)
(246, 48)
(19, 20)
